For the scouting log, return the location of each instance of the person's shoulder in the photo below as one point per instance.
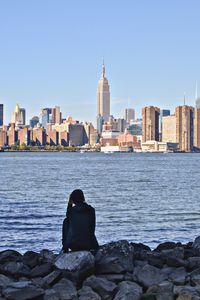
(90, 207)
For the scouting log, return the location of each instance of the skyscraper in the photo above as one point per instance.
(1, 114)
(129, 114)
(19, 116)
(56, 115)
(197, 128)
(185, 127)
(150, 123)
(45, 117)
(103, 97)
(163, 113)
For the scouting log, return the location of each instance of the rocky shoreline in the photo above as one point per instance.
(119, 271)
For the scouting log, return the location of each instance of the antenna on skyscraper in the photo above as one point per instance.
(196, 91)
(184, 98)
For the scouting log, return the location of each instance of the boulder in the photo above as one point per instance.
(115, 257)
(150, 275)
(86, 293)
(103, 287)
(193, 263)
(22, 290)
(175, 262)
(51, 294)
(15, 269)
(195, 277)
(186, 292)
(177, 252)
(4, 281)
(52, 278)
(178, 276)
(31, 259)
(66, 290)
(196, 245)
(128, 290)
(9, 255)
(47, 256)
(116, 278)
(155, 259)
(80, 264)
(164, 287)
(166, 246)
(41, 270)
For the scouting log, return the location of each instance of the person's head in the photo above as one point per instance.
(77, 197)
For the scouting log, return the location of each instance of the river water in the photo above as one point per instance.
(141, 197)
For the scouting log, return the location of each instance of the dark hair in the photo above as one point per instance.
(77, 196)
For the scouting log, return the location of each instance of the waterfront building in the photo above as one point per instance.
(3, 138)
(197, 128)
(38, 137)
(52, 136)
(155, 146)
(163, 113)
(77, 136)
(150, 123)
(185, 127)
(12, 135)
(169, 129)
(1, 115)
(19, 116)
(91, 133)
(129, 115)
(24, 136)
(64, 138)
(128, 140)
(34, 121)
(103, 97)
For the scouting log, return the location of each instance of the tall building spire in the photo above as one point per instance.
(196, 91)
(103, 96)
(103, 70)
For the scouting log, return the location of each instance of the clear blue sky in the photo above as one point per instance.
(51, 53)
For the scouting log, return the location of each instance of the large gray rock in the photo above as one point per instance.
(115, 257)
(31, 259)
(164, 287)
(128, 290)
(195, 277)
(196, 245)
(186, 292)
(15, 269)
(52, 278)
(66, 290)
(9, 255)
(178, 276)
(103, 287)
(80, 264)
(150, 275)
(4, 281)
(47, 256)
(41, 270)
(86, 293)
(51, 294)
(193, 263)
(22, 290)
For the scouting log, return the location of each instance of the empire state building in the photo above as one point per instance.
(103, 97)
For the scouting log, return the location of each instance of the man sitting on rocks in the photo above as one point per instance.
(79, 225)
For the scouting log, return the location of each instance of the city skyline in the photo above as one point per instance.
(151, 54)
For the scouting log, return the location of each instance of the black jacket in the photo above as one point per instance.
(79, 228)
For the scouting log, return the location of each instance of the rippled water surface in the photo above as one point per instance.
(147, 198)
